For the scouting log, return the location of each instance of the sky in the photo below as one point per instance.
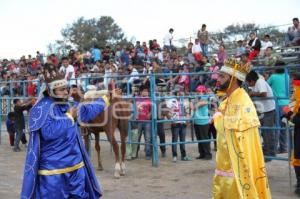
(30, 25)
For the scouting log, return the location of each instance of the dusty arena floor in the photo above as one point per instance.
(183, 180)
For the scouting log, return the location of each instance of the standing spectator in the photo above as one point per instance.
(10, 126)
(31, 87)
(292, 37)
(222, 55)
(144, 115)
(40, 57)
(279, 82)
(265, 44)
(265, 109)
(168, 40)
(201, 125)
(19, 107)
(179, 109)
(254, 45)
(203, 37)
(96, 54)
(68, 71)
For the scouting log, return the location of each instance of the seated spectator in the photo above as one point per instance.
(197, 51)
(214, 68)
(270, 58)
(240, 49)
(292, 37)
(254, 46)
(222, 55)
(265, 44)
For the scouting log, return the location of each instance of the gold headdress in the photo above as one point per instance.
(236, 69)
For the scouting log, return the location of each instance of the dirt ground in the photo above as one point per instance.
(181, 180)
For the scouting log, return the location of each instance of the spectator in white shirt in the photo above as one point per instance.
(265, 109)
(168, 40)
(265, 44)
(68, 70)
(197, 50)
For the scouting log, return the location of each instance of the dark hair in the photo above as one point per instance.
(270, 47)
(64, 58)
(267, 36)
(252, 76)
(171, 30)
(203, 25)
(10, 115)
(15, 101)
(296, 19)
(279, 70)
(239, 82)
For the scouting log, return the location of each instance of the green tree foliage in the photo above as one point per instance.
(85, 33)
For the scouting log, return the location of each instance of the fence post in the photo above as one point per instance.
(155, 160)
(1, 106)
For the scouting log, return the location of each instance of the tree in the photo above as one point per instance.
(85, 33)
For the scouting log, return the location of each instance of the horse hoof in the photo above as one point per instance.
(117, 174)
(123, 169)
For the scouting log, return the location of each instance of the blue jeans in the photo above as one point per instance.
(204, 48)
(281, 136)
(20, 136)
(178, 129)
(162, 136)
(145, 129)
(268, 135)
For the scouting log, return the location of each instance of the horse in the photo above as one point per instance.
(115, 116)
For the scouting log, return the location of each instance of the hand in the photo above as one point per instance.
(73, 112)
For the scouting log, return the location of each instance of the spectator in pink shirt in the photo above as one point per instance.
(143, 108)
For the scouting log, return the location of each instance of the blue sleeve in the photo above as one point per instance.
(55, 127)
(88, 111)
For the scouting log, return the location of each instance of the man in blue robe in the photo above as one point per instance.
(57, 165)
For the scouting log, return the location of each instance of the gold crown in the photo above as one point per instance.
(233, 63)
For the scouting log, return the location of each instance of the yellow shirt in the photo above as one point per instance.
(240, 168)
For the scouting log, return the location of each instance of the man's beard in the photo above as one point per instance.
(224, 87)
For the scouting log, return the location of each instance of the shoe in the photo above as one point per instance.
(186, 158)
(17, 150)
(200, 157)
(297, 192)
(174, 160)
(207, 157)
(267, 160)
(282, 151)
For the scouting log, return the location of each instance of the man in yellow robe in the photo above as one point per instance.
(240, 168)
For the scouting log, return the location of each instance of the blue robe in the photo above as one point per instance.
(55, 143)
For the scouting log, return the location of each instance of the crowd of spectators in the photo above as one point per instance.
(101, 65)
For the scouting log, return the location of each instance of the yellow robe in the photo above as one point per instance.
(240, 167)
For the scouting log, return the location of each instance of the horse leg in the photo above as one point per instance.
(85, 138)
(123, 151)
(113, 142)
(97, 147)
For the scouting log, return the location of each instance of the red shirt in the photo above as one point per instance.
(31, 90)
(143, 109)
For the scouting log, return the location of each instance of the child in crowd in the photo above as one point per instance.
(178, 109)
(10, 126)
